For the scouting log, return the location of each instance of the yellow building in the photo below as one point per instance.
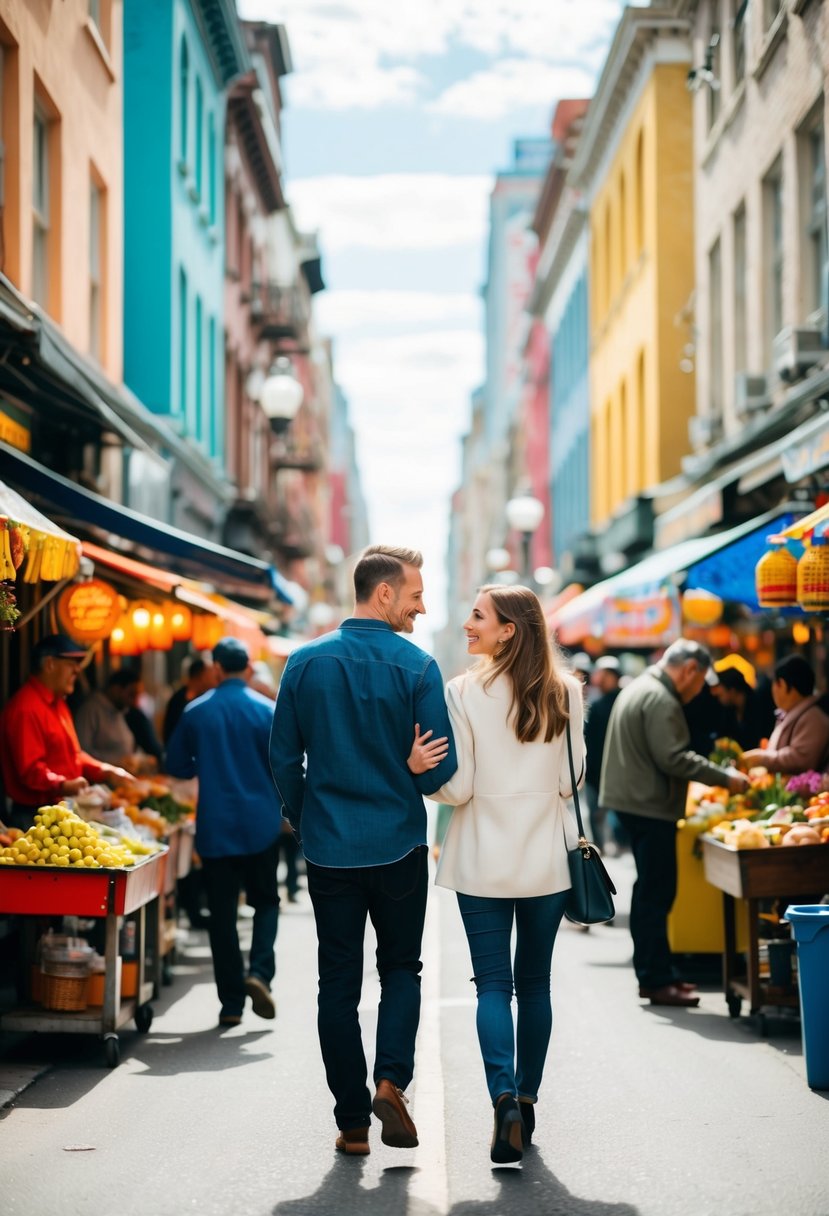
(61, 103)
(634, 168)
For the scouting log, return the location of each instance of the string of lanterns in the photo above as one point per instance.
(145, 625)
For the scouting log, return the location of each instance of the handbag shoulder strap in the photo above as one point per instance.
(574, 783)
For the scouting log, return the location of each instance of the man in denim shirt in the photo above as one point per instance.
(347, 706)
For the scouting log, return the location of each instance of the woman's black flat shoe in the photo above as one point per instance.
(507, 1135)
(527, 1110)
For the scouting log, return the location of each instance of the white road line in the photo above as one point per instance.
(429, 1185)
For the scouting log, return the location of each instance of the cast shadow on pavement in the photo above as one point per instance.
(531, 1190)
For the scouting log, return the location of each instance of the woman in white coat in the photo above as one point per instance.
(505, 851)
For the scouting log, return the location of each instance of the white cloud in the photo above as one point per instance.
(358, 53)
(347, 312)
(513, 84)
(393, 211)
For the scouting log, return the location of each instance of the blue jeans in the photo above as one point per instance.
(514, 1063)
(224, 879)
(394, 897)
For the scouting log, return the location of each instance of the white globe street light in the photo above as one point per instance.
(281, 395)
(524, 514)
(497, 559)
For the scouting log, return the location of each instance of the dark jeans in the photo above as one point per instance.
(288, 846)
(653, 843)
(394, 898)
(513, 1059)
(224, 879)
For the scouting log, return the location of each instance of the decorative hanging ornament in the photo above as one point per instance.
(813, 577)
(701, 607)
(775, 576)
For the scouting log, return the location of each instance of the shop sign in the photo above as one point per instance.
(802, 459)
(14, 428)
(89, 611)
(642, 620)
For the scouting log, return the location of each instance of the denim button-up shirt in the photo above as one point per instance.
(222, 738)
(347, 705)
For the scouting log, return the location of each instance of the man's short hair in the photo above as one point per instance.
(195, 668)
(796, 672)
(382, 564)
(123, 678)
(682, 650)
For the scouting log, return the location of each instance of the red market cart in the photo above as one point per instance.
(107, 894)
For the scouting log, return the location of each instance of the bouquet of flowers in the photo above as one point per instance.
(808, 783)
(726, 752)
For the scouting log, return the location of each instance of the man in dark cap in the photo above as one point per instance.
(41, 757)
(222, 738)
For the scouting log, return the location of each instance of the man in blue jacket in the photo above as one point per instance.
(222, 738)
(342, 731)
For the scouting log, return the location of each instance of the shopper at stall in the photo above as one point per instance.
(41, 757)
(605, 681)
(748, 719)
(201, 677)
(348, 704)
(143, 731)
(800, 740)
(645, 773)
(101, 724)
(222, 739)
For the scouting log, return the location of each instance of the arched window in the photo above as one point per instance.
(640, 192)
(608, 257)
(184, 99)
(642, 420)
(623, 227)
(199, 135)
(211, 165)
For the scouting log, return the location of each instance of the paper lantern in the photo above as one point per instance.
(813, 577)
(122, 639)
(141, 619)
(161, 630)
(720, 637)
(207, 631)
(775, 577)
(700, 607)
(181, 622)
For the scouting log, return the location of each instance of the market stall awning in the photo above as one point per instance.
(639, 606)
(798, 529)
(191, 555)
(15, 509)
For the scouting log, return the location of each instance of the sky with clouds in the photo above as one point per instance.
(397, 117)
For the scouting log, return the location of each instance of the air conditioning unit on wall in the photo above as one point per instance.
(704, 429)
(795, 350)
(751, 395)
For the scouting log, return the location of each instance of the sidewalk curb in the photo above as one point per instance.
(14, 1079)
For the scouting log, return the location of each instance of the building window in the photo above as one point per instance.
(628, 480)
(771, 9)
(198, 412)
(40, 209)
(713, 58)
(199, 135)
(813, 210)
(182, 343)
(715, 319)
(740, 272)
(640, 193)
(184, 100)
(738, 39)
(96, 263)
(215, 446)
(211, 165)
(642, 420)
(608, 257)
(623, 227)
(773, 249)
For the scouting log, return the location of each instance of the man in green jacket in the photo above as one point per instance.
(645, 773)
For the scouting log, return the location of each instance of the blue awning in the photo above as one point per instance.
(189, 555)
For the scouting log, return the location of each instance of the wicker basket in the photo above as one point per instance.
(63, 992)
(776, 579)
(813, 577)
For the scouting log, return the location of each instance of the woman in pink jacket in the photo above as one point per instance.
(800, 740)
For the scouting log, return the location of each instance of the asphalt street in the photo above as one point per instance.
(643, 1112)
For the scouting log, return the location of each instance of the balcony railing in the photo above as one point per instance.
(281, 313)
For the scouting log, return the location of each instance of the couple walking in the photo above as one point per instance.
(361, 732)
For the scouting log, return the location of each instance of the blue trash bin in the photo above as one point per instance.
(810, 925)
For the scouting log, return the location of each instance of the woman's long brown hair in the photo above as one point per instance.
(539, 694)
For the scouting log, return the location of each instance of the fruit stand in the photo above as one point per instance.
(798, 875)
(102, 894)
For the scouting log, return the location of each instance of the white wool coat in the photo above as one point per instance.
(512, 826)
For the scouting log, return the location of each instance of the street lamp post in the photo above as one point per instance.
(280, 395)
(524, 514)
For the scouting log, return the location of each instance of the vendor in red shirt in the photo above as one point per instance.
(41, 757)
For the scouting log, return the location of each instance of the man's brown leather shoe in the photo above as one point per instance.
(671, 994)
(389, 1106)
(354, 1142)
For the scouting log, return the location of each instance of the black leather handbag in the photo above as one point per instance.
(592, 890)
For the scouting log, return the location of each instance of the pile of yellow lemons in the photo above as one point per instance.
(59, 837)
